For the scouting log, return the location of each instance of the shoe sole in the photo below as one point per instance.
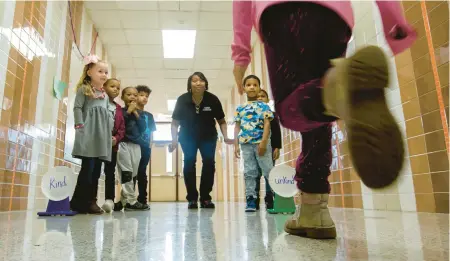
(315, 233)
(133, 209)
(250, 210)
(374, 138)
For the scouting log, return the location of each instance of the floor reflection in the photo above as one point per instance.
(171, 232)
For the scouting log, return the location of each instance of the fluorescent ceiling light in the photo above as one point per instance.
(179, 43)
(171, 104)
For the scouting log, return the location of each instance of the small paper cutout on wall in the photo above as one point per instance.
(58, 88)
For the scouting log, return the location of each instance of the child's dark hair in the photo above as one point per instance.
(125, 90)
(264, 91)
(110, 80)
(143, 88)
(201, 76)
(251, 76)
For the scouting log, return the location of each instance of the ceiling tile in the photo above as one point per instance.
(118, 50)
(227, 63)
(149, 73)
(205, 63)
(135, 36)
(177, 74)
(178, 20)
(146, 51)
(214, 37)
(215, 21)
(178, 63)
(126, 73)
(101, 5)
(212, 51)
(121, 62)
(148, 63)
(112, 36)
(105, 19)
(217, 6)
(138, 5)
(169, 5)
(189, 5)
(139, 19)
(226, 76)
(171, 84)
(211, 74)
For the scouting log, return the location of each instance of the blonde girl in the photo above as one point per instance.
(93, 128)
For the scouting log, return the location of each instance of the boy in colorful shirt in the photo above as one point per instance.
(252, 130)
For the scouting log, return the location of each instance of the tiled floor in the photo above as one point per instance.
(169, 232)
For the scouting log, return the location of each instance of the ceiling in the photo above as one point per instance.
(131, 33)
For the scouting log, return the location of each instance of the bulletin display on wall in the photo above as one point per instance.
(76, 67)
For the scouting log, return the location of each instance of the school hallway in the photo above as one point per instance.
(171, 232)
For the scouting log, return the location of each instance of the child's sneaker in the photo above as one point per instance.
(207, 204)
(251, 205)
(136, 207)
(108, 206)
(118, 206)
(193, 204)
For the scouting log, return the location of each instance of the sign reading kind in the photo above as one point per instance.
(284, 180)
(58, 183)
(54, 184)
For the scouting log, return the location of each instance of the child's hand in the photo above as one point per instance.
(276, 154)
(136, 113)
(237, 152)
(114, 141)
(132, 107)
(262, 147)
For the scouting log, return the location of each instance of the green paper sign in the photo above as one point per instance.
(58, 88)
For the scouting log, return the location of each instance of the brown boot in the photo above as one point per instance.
(354, 92)
(94, 208)
(312, 218)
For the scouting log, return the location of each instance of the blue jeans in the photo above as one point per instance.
(207, 150)
(252, 163)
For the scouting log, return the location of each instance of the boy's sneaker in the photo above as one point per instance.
(108, 206)
(192, 204)
(136, 207)
(207, 204)
(251, 205)
(118, 206)
(146, 205)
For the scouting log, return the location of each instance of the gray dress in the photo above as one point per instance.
(94, 140)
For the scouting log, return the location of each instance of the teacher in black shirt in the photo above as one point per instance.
(196, 113)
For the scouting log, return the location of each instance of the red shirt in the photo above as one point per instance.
(119, 126)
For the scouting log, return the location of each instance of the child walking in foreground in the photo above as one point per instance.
(252, 130)
(129, 154)
(302, 41)
(112, 89)
(275, 141)
(146, 140)
(93, 126)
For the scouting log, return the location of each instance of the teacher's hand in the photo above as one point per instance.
(239, 72)
(237, 151)
(229, 141)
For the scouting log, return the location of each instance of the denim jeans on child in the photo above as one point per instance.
(251, 163)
